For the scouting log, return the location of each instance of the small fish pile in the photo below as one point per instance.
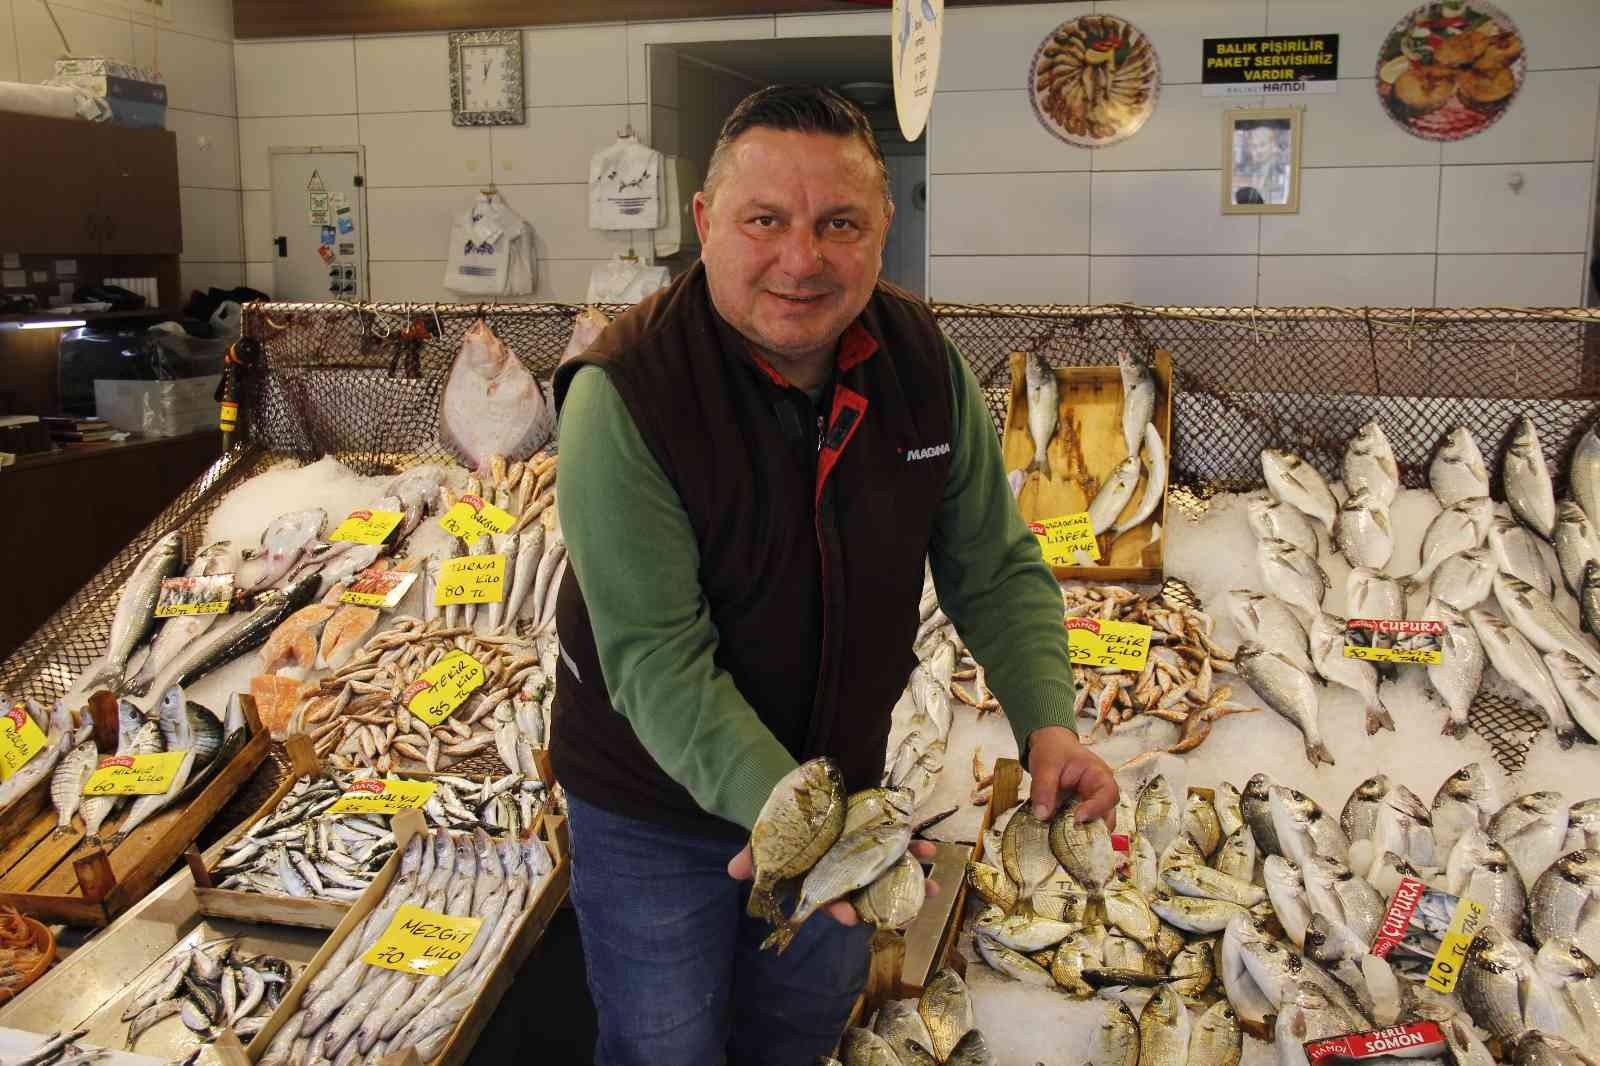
(19, 952)
(300, 850)
(210, 986)
(837, 847)
(940, 1027)
(58, 1049)
(919, 730)
(179, 725)
(356, 716)
(65, 731)
(352, 1005)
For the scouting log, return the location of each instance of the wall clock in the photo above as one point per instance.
(486, 78)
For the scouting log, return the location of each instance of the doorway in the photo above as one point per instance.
(319, 223)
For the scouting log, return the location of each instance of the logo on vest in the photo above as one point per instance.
(916, 454)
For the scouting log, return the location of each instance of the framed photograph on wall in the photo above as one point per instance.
(1261, 161)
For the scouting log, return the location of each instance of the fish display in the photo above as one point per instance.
(135, 614)
(491, 405)
(207, 985)
(939, 1027)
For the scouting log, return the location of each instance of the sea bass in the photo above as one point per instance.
(1138, 399)
(1516, 553)
(1537, 618)
(1044, 408)
(1526, 481)
(1576, 544)
(178, 633)
(1579, 687)
(135, 613)
(1114, 495)
(1518, 662)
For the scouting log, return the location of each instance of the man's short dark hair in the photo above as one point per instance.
(795, 108)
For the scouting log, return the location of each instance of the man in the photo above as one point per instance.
(754, 465)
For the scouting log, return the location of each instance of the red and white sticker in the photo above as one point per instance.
(1414, 1040)
(1397, 919)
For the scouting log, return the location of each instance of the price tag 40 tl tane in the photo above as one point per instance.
(20, 740)
(423, 942)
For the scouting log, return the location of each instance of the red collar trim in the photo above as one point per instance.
(856, 346)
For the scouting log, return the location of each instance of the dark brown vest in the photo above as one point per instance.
(811, 556)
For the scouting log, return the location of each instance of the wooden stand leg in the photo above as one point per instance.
(95, 878)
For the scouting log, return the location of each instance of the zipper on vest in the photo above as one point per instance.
(849, 407)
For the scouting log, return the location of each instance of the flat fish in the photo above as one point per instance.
(344, 634)
(1458, 472)
(1526, 480)
(491, 405)
(284, 540)
(1370, 467)
(1297, 483)
(1043, 393)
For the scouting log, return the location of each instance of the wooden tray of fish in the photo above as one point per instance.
(1006, 790)
(278, 909)
(550, 894)
(1084, 452)
(58, 874)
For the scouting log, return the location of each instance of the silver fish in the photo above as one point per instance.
(1286, 889)
(1114, 495)
(1128, 911)
(1359, 819)
(1193, 969)
(971, 1050)
(1307, 1015)
(1116, 1041)
(1459, 675)
(1287, 690)
(1225, 798)
(1536, 1048)
(178, 633)
(1019, 967)
(1083, 848)
(1255, 805)
(66, 783)
(1369, 465)
(1272, 519)
(135, 613)
(1458, 472)
(1357, 675)
(1516, 552)
(1464, 579)
(1204, 882)
(1297, 483)
(1405, 827)
(1583, 472)
(1363, 534)
(1195, 914)
(1370, 593)
(1201, 825)
(1583, 822)
(1044, 408)
(1562, 896)
(1270, 622)
(852, 863)
(1025, 852)
(1024, 933)
(1303, 829)
(1589, 598)
(1518, 662)
(1537, 618)
(1492, 980)
(1465, 801)
(1075, 954)
(1216, 1039)
(1334, 890)
(1526, 481)
(1576, 544)
(1237, 856)
(1579, 687)
(1156, 814)
(1249, 1001)
(1155, 482)
(1458, 528)
(1570, 971)
(1480, 870)
(1276, 967)
(1138, 398)
(1532, 829)
(1292, 575)
(1142, 867)
(283, 542)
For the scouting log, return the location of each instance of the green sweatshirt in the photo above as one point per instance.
(630, 543)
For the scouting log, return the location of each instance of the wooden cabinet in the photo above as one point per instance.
(79, 188)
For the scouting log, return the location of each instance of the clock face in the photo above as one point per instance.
(486, 78)
(483, 78)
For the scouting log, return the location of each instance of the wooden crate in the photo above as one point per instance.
(216, 902)
(65, 879)
(552, 831)
(1003, 795)
(1086, 448)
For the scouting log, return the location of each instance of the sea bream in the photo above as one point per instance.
(1044, 408)
(1479, 869)
(1516, 552)
(1289, 691)
(1370, 593)
(1465, 801)
(1458, 528)
(283, 542)
(135, 613)
(1533, 829)
(1114, 495)
(1458, 472)
(1526, 480)
(1357, 675)
(1510, 653)
(491, 405)
(1579, 687)
(1363, 533)
(1155, 483)
(1464, 579)
(1275, 520)
(1370, 467)
(1270, 622)
(1297, 483)
(1292, 575)
(1459, 674)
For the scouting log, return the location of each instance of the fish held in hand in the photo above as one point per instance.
(797, 825)
(853, 862)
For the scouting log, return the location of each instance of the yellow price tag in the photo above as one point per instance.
(475, 516)
(373, 796)
(1061, 539)
(1429, 656)
(134, 775)
(422, 942)
(1104, 642)
(471, 579)
(20, 740)
(1416, 641)
(443, 687)
(367, 527)
(1465, 925)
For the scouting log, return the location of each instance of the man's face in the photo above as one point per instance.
(792, 242)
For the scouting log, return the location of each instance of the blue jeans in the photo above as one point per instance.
(675, 965)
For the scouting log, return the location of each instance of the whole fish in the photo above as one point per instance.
(1075, 954)
(1466, 801)
(530, 552)
(1458, 528)
(490, 404)
(178, 633)
(1276, 967)
(185, 724)
(1464, 579)
(1268, 621)
(1363, 534)
(971, 1050)
(508, 546)
(1538, 1048)
(1333, 889)
(144, 807)
(1138, 399)
(1201, 824)
(1480, 870)
(1248, 999)
(1164, 1029)
(863, 1047)
(992, 885)
(1114, 495)
(1357, 675)
(1193, 969)
(1156, 814)
(135, 613)
(1272, 519)
(1369, 593)
(283, 542)
(947, 1011)
(852, 863)
(1533, 830)
(1255, 805)
(1155, 482)
(1583, 472)
(1537, 618)
(1579, 687)
(1576, 544)
(1493, 977)
(1583, 825)
(1459, 675)
(898, 1022)
(1369, 465)
(1287, 890)
(1116, 1041)
(1458, 472)
(1569, 970)
(1025, 933)
(1014, 965)
(1561, 903)
(1589, 598)
(1216, 1039)
(1309, 1014)
(1142, 868)
(1297, 483)
(1204, 882)
(1181, 852)
(1237, 856)
(1129, 911)
(1405, 827)
(1195, 914)
(1289, 691)
(1025, 852)
(1225, 798)
(1526, 481)
(1516, 553)
(1303, 829)
(1518, 662)
(1044, 408)
(66, 783)
(799, 822)
(1083, 849)
(893, 900)
(1292, 575)
(1359, 819)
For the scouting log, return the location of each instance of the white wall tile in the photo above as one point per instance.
(1045, 279)
(258, 226)
(1479, 212)
(1349, 128)
(1551, 121)
(559, 215)
(39, 45)
(203, 18)
(1558, 33)
(642, 34)
(1003, 123)
(424, 148)
(211, 226)
(403, 73)
(841, 24)
(1347, 280)
(992, 47)
(208, 149)
(1183, 133)
(1361, 25)
(1167, 213)
(198, 71)
(1511, 280)
(1346, 210)
(203, 276)
(576, 65)
(256, 135)
(1009, 214)
(555, 145)
(413, 223)
(1176, 28)
(296, 78)
(1174, 281)
(259, 276)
